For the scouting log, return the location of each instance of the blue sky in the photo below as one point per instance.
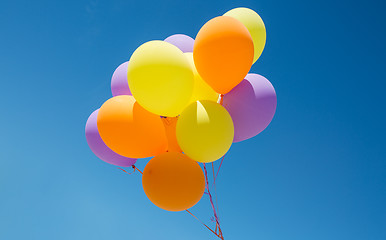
(317, 172)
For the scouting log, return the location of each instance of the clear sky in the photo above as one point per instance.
(317, 172)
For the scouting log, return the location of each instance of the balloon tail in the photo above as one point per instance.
(220, 99)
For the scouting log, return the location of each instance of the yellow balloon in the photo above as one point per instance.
(255, 26)
(201, 90)
(160, 78)
(205, 131)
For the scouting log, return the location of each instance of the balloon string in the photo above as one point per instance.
(215, 191)
(126, 171)
(205, 225)
(214, 182)
(214, 179)
(211, 202)
(134, 167)
(220, 101)
(213, 171)
(214, 186)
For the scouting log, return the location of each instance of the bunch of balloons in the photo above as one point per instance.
(183, 102)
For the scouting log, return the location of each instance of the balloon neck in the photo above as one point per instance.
(220, 99)
(170, 131)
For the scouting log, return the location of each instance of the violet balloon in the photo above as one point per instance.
(182, 41)
(99, 148)
(119, 83)
(252, 105)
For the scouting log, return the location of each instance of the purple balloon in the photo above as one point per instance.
(252, 105)
(119, 83)
(182, 41)
(99, 148)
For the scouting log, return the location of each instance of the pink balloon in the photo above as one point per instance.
(119, 83)
(99, 148)
(252, 105)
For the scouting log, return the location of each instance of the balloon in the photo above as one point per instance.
(160, 78)
(205, 131)
(119, 84)
(99, 148)
(255, 25)
(173, 182)
(170, 131)
(252, 105)
(130, 130)
(201, 90)
(223, 53)
(182, 41)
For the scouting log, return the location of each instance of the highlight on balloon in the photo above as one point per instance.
(183, 102)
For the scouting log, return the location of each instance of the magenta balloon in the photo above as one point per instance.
(182, 41)
(99, 148)
(252, 105)
(119, 83)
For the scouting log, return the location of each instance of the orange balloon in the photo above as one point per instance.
(223, 53)
(130, 130)
(173, 182)
(170, 124)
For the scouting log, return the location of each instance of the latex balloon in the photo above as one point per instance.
(170, 131)
(255, 25)
(201, 90)
(205, 131)
(223, 53)
(99, 148)
(182, 41)
(130, 130)
(160, 78)
(119, 84)
(173, 182)
(252, 105)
